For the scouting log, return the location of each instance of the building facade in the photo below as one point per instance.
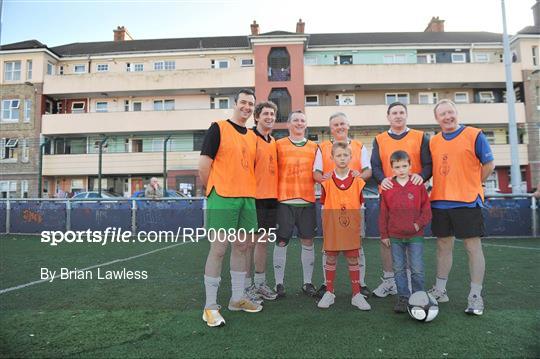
(141, 96)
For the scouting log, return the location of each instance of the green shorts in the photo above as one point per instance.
(230, 212)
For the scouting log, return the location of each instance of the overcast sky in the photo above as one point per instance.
(57, 22)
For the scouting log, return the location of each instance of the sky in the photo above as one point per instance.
(58, 22)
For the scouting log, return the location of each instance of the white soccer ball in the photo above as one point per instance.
(423, 306)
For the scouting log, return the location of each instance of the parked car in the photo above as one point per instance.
(95, 194)
(170, 193)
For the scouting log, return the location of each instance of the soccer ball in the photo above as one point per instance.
(423, 306)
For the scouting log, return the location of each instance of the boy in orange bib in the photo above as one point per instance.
(342, 199)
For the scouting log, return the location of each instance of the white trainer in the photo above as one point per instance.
(327, 300)
(476, 305)
(360, 302)
(213, 318)
(440, 295)
(386, 288)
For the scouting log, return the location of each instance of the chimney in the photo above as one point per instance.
(300, 26)
(536, 13)
(435, 25)
(121, 34)
(254, 28)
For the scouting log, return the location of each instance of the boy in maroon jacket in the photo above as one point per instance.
(404, 212)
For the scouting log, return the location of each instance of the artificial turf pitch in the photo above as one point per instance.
(161, 316)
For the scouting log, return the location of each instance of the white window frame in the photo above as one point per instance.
(346, 99)
(14, 71)
(311, 103)
(165, 65)
(133, 106)
(29, 69)
(138, 67)
(461, 93)
(7, 146)
(535, 56)
(163, 102)
(101, 103)
(25, 150)
(14, 106)
(24, 188)
(247, 62)
(216, 64)
(215, 101)
(127, 105)
(490, 136)
(492, 183)
(310, 60)
(337, 60)
(481, 57)
(395, 59)
(79, 66)
(431, 58)
(102, 68)
(455, 60)
(78, 110)
(50, 68)
(27, 110)
(433, 98)
(397, 95)
(486, 96)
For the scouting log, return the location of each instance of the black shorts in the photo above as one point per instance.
(303, 217)
(266, 213)
(457, 222)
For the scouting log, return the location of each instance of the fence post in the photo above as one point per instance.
(534, 208)
(8, 216)
(133, 217)
(68, 215)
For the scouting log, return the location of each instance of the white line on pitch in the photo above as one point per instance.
(505, 246)
(2, 291)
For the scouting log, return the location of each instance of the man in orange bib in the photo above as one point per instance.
(462, 161)
(399, 137)
(359, 165)
(296, 196)
(227, 170)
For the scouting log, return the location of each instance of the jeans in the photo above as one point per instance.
(416, 265)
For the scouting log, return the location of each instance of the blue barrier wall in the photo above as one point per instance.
(37, 216)
(3, 212)
(169, 215)
(97, 216)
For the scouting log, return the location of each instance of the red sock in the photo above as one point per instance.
(354, 274)
(330, 271)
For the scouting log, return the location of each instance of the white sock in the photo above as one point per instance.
(280, 259)
(211, 286)
(308, 259)
(440, 284)
(476, 289)
(323, 264)
(237, 285)
(387, 275)
(259, 279)
(362, 264)
(248, 282)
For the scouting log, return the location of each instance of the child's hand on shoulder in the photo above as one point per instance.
(386, 241)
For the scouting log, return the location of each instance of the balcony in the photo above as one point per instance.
(118, 163)
(419, 115)
(120, 83)
(131, 122)
(408, 75)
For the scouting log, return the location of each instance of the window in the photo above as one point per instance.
(486, 96)
(77, 107)
(137, 106)
(426, 59)
(12, 70)
(163, 105)
(102, 106)
(220, 64)
(395, 59)
(102, 67)
(535, 55)
(10, 110)
(77, 185)
(282, 98)
(61, 70)
(126, 105)
(25, 150)
(343, 60)
(79, 69)
(490, 136)
(29, 69)
(458, 58)
(7, 148)
(246, 62)
(27, 110)
(492, 183)
(50, 68)
(461, 97)
(345, 100)
(310, 60)
(134, 67)
(279, 64)
(481, 57)
(397, 97)
(312, 100)
(219, 102)
(8, 189)
(24, 189)
(164, 65)
(427, 98)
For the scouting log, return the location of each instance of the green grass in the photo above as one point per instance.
(161, 316)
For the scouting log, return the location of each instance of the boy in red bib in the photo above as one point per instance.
(342, 199)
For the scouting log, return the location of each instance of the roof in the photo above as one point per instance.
(23, 45)
(130, 46)
(279, 33)
(530, 30)
(388, 38)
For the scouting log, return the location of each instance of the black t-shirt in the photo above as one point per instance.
(212, 139)
(267, 140)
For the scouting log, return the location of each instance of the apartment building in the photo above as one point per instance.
(135, 96)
